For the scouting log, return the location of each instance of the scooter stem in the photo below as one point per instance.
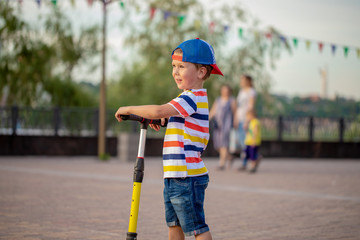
(137, 181)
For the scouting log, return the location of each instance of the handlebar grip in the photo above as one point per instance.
(134, 117)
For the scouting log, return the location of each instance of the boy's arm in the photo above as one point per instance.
(147, 111)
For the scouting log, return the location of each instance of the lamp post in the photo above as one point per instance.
(102, 101)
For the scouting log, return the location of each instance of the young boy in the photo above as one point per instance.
(252, 140)
(186, 137)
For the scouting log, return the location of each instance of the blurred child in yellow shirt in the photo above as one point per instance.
(253, 140)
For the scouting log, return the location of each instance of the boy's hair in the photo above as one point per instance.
(198, 65)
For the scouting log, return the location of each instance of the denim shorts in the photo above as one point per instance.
(184, 203)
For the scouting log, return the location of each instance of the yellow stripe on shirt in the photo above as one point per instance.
(186, 136)
(202, 105)
(174, 131)
(196, 139)
(197, 171)
(174, 168)
(190, 172)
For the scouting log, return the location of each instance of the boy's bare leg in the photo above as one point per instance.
(176, 233)
(204, 236)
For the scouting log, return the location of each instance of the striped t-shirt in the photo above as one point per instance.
(187, 135)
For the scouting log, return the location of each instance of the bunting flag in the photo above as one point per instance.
(346, 51)
(20, 1)
(152, 12)
(240, 32)
(122, 5)
(167, 14)
(226, 28)
(358, 52)
(197, 24)
(212, 27)
(54, 2)
(295, 41)
(283, 39)
(308, 44)
(333, 49)
(90, 2)
(72, 3)
(39, 3)
(321, 45)
(181, 19)
(268, 36)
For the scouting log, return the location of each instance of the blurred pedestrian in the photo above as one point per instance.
(222, 116)
(245, 102)
(253, 141)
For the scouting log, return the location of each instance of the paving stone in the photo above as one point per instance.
(54, 198)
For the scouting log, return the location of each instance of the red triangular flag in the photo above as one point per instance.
(90, 2)
(152, 12)
(321, 45)
(268, 35)
(211, 27)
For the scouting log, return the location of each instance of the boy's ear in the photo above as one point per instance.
(202, 72)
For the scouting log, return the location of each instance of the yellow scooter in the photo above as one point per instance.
(138, 172)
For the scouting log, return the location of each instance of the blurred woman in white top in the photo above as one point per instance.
(245, 102)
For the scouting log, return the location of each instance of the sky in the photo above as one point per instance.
(333, 21)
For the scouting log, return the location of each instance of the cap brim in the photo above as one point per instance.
(216, 70)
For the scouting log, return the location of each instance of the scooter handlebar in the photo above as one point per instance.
(137, 118)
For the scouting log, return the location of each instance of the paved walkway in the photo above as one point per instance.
(51, 198)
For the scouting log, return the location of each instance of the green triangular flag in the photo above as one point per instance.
(181, 19)
(358, 52)
(346, 51)
(295, 40)
(54, 2)
(72, 2)
(240, 32)
(122, 4)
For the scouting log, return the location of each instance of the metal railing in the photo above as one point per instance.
(71, 121)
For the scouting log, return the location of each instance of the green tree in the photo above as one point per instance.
(37, 64)
(148, 79)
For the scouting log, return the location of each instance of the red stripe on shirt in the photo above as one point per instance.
(193, 160)
(196, 127)
(179, 108)
(201, 93)
(173, 144)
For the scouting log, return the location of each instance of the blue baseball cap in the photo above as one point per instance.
(198, 51)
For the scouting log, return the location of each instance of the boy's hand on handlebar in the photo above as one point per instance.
(157, 127)
(121, 111)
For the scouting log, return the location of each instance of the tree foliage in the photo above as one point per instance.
(37, 64)
(148, 79)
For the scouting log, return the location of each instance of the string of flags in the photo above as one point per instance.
(90, 2)
(268, 35)
(242, 32)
